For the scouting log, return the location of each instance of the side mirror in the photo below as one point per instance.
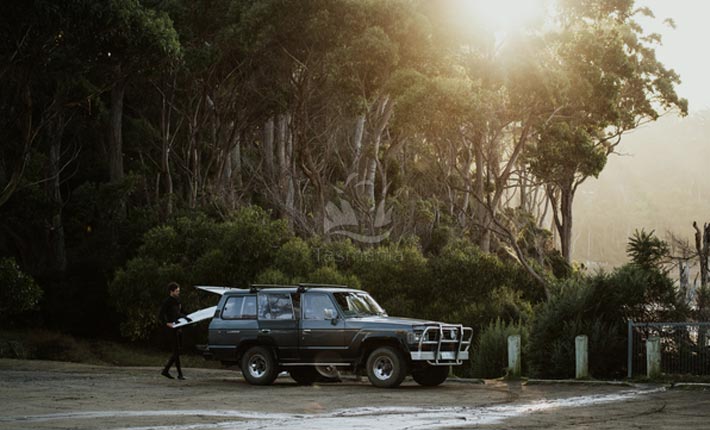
(330, 314)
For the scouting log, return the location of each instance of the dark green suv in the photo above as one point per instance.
(313, 330)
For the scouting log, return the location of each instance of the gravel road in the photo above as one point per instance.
(56, 395)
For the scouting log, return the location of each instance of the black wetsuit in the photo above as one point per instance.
(170, 311)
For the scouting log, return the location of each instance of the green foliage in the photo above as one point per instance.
(330, 275)
(475, 288)
(490, 353)
(18, 291)
(598, 306)
(397, 276)
(646, 249)
(191, 251)
(565, 152)
(204, 78)
(138, 290)
(294, 258)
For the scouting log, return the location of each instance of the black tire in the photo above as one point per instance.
(431, 376)
(305, 375)
(386, 367)
(259, 366)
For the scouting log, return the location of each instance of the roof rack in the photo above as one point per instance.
(253, 288)
(303, 286)
(310, 285)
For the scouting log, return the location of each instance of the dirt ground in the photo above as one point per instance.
(56, 395)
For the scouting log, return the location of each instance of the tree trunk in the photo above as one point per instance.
(55, 226)
(566, 199)
(165, 173)
(28, 136)
(235, 160)
(281, 136)
(268, 148)
(480, 213)
(357, 140)
(283, 158)
(384, 112)
(115, 149)
(702, 246)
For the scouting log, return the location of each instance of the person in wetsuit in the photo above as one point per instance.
(170, 311)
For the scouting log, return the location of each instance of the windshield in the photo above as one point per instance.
(358, 304)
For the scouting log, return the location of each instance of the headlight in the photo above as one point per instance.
(413, 337)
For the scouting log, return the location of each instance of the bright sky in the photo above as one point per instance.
(683, 48)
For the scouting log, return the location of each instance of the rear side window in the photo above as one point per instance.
(240, 308)
(275, 306)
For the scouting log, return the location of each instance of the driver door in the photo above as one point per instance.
(322, 329)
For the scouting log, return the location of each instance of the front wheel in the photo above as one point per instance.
(431, 376)
(259, 366)
(386, 367)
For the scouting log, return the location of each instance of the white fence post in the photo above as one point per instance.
(581, 344)
(653, 357)
(514, 363)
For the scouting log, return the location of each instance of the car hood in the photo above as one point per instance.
(395, 321)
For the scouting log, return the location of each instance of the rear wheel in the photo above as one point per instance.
(431, 376)
(259, 366)
(386, 367)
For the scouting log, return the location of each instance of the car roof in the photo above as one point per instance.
(291, 289)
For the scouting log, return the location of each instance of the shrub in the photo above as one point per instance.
(18, 291)
(294, 258)
(490, 353)
(474, 288)
(331, 275)
(137, 292)
(195, 250)
(598, 306)
(396, 275)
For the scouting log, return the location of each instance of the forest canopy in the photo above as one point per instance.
(230, 141)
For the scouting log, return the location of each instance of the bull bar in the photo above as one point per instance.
(434, 355)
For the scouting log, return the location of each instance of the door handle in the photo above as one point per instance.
(306, 330)
(232, 331)
(265, 331)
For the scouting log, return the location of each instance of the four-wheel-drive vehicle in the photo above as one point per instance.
(311, 330)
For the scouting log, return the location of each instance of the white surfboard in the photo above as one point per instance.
(196, 317)
(202, 314)
(214, 289)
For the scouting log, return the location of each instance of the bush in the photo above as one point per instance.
(294, 259)
(598, 306)
(331, 275)
(475, 288)
(396, 275)
(19, 293)
(490, 354)
(138, 291)
(193, 251)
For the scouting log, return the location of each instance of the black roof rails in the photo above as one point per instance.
(253, 288)
(309, 285)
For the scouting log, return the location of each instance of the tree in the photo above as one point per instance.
(133, 39)
(702, 246)
(647, 250)
(612, 83)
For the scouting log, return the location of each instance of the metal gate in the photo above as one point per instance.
(685, 347)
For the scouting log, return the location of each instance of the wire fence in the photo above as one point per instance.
(685, 347)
